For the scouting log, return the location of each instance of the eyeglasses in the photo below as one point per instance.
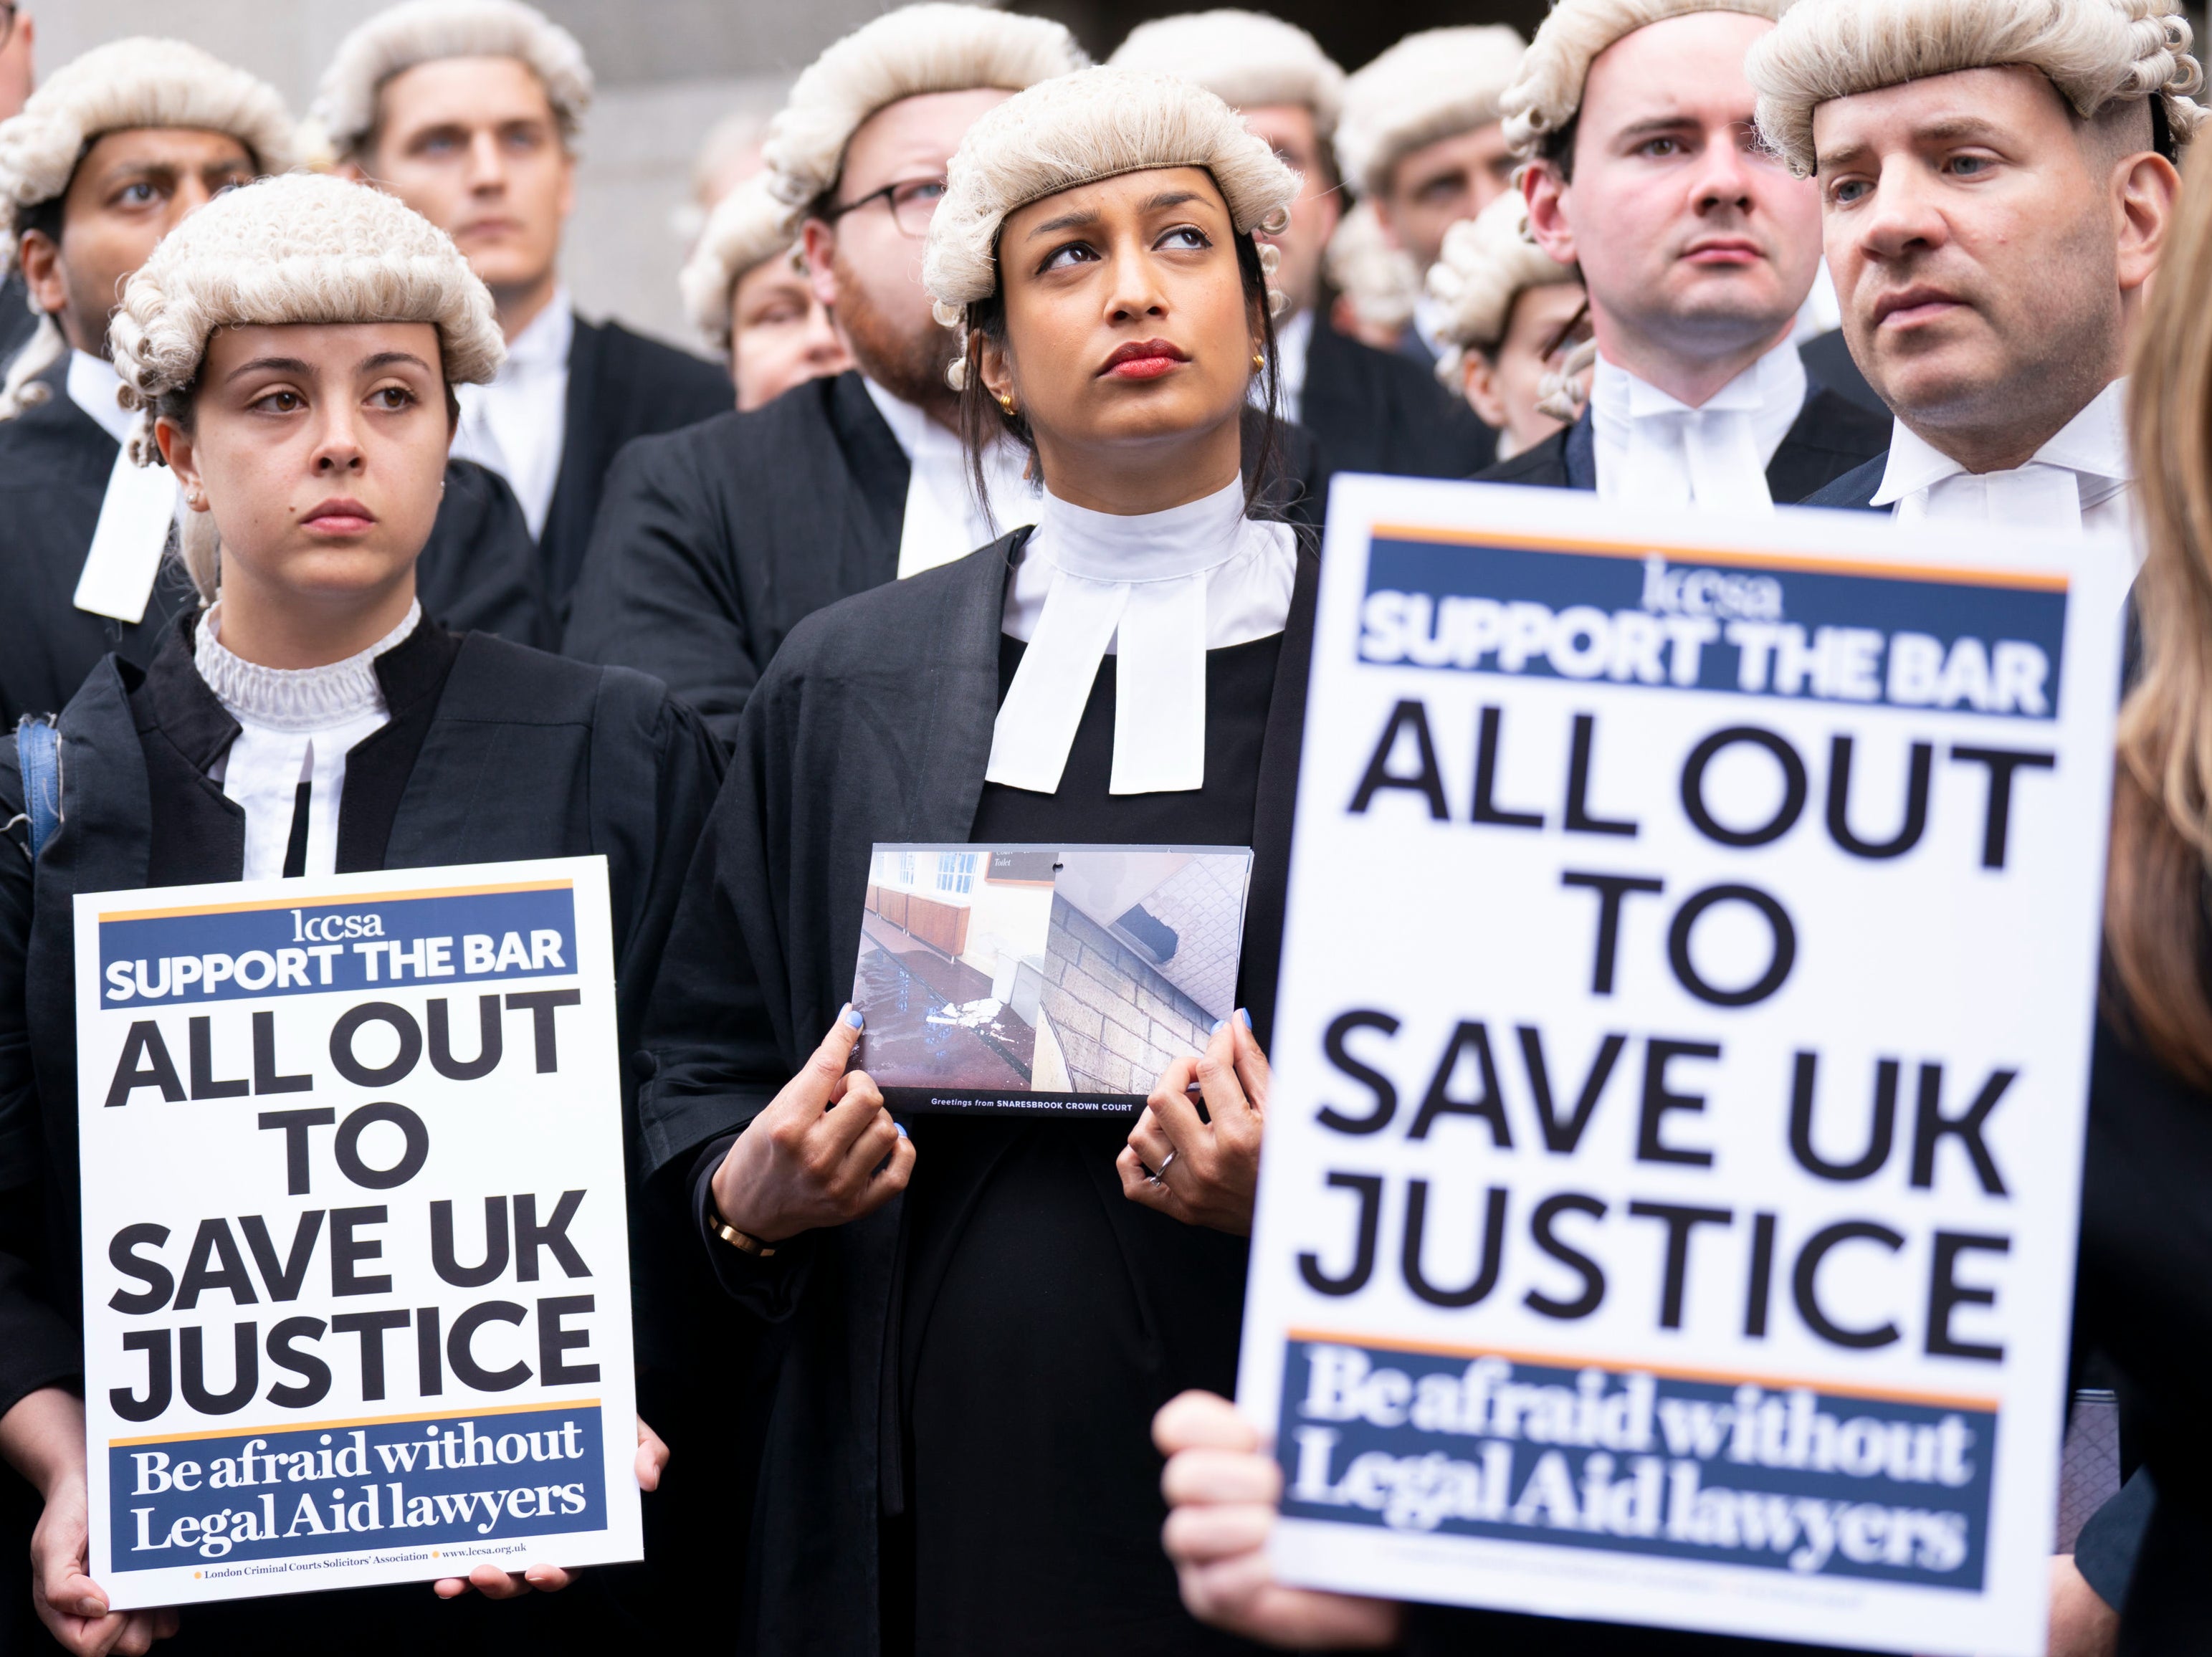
(913, 202)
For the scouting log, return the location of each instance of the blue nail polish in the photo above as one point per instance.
(1245, 1013)
(1219, 1025)
(852, 1016)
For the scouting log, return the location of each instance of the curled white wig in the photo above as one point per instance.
(1378, 276)
(136, 82)
(2095, 52)
(1096, 124)
(425, 31)
(935, 46)
(748, 228)
(1246, 59)
(306, 247)
(1486, 263)
(1548, 94)
(1428, 87)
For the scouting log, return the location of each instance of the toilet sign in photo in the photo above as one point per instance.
(1669, 1206)
(356, 1280)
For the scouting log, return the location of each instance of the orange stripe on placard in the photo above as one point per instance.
(2038, 581)
(356, 1421)
(335, 902)
(1553, 1361)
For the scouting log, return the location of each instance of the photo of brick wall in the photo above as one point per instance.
(1080, 972)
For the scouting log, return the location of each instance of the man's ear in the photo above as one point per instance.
(41, 260)
(2144, 189)
(1479, 381)
(818, 240)
(1544, 190)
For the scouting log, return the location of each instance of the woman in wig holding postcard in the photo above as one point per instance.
(984, 1312)
(295, 346)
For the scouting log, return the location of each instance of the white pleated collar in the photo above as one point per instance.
(1159, 589)
(295, 699)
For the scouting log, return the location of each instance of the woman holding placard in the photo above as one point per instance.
(295, 346)
(1046, 1283)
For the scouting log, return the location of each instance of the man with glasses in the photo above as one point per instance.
(467, 111)
(713, 543)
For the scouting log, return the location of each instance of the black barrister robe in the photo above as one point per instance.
(1377, 411)
(712, 543)
(477, 571)
(875, 724)
(621, 385)
(493, 752)
(1829, 438)
(17, 324)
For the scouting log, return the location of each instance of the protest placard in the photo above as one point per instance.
(357, 1283)
(1669, 1202)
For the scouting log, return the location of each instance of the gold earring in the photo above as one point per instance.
(1006, 404)
(1259, 361)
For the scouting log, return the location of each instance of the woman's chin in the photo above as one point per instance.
(340, 574)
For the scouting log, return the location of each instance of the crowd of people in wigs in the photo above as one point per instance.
(338, 540)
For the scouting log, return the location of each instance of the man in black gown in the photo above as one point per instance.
(468, 112)
(105, 184)
(1697, 252)
(1369, 410)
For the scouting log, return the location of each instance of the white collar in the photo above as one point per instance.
(2093, 445)
(942, 521)
(1293, 347)
(93, 384)
(1773, 384)
(544, 341)
(1654, 449)
(1162, 588)
(918, 435)
(295, 699)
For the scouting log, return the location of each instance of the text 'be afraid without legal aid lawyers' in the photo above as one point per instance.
(356, 1264)
(1669, 1202)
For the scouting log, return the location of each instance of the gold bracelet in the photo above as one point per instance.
(744, 1242)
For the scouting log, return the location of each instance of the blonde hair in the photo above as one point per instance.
(426, 30)
(935, 46)
(2096, 52)
(1246, 59)
(2156, 930)
(301, 248)
(135, 82)
(1545, 98)
(748, 228)
(1485, 264)
(1096, 124)
(1429, 86)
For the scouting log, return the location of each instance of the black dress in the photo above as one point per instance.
(493, 752)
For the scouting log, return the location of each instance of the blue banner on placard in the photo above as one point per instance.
(471, 1479)
(1737, 622)
(1789, 1479)
(338, 943)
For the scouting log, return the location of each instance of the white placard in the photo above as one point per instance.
(1669, 1203)
(356, 1280)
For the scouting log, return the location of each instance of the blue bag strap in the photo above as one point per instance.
(38, 756)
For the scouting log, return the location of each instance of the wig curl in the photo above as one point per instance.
(1379, 277)
(1246, 59)
(1548, 94)
(2096, 53)
(1429, 86)
(1486, 263)
(426, 30)
(935, 46)
(748, 228)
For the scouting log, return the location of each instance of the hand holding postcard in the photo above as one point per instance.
(1022, 980)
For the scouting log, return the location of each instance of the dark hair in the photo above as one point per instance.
(983, 420)
(1558, 147)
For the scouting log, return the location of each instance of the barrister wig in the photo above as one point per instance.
(1486, 263)
(932, 47)
(136, 82)
(1246, 59)
(2096, 52)
(425, 31)
(1379, 277)
(1096, 124)
(748, 228)
(1428, 87)
(306, 247)
(1544, 97)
